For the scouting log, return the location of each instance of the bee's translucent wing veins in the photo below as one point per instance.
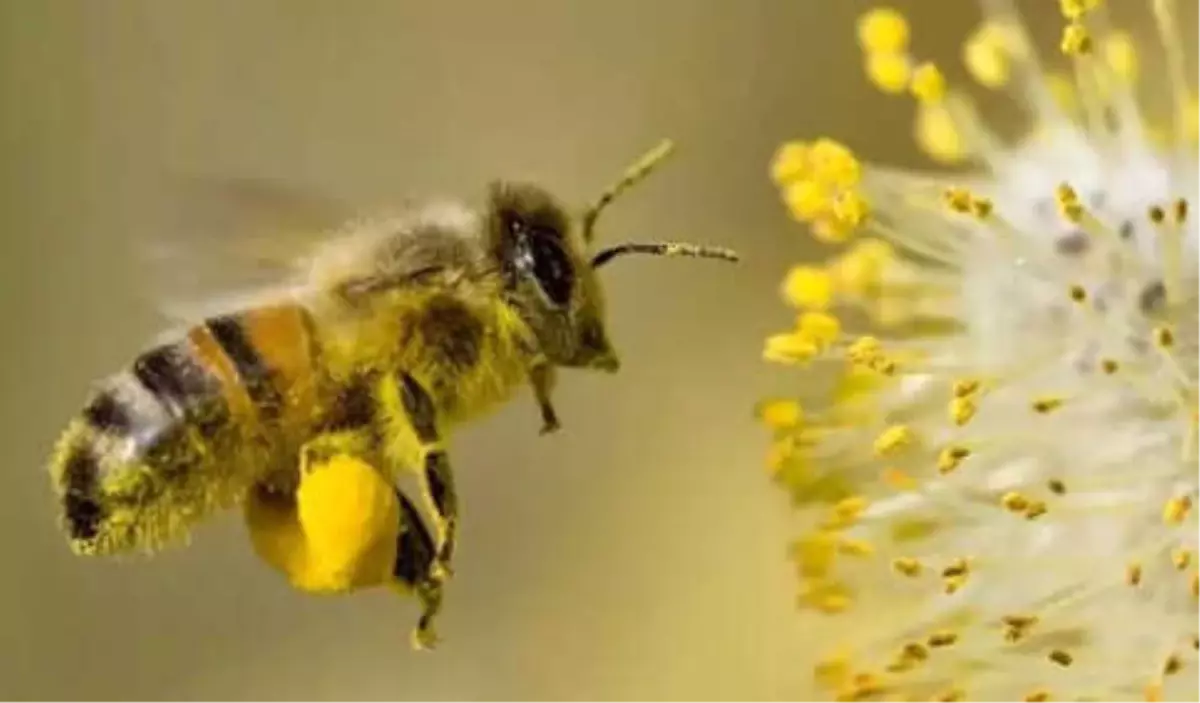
(224, 239)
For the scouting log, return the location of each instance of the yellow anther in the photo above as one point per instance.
(1164, 338)
(781, 414)
(962, 410)
(1036, 509)
(951, 457)
(835, 164)
(830, 231)
(1057, 487)
(1076, 9)
(864, 349)
(1133, 574)
(890, 72)
(833, 603)
(1078, 293)
(958, 200)
(1172, 665)
(860, 270)
(1195, 642)
(1109, 366)
(1121, 55)
(814, 554)
(951, 696)
(988, 57)
(832, 671)
(1157, 214)
(791, 163)
(1037, 696)
(1176, 510)
(1181, 558)
(981, 208)
(856, 548)
(944, 638)
(848, 509)
(1194, 584)
(907, 566)
(1064, 193)
(938, 136)
(914, 651)
(883, 29)
(928, 83)
(1076, 40)
(1061, 657)
(1020, 622)
(1180, 210)
(806, 199)
(807, 287)
(789, 348)
(893, 440)
(1047, 404)
(965, 387)
(951, 585)
(1190, 120)
(822, 329)
(1014, 501)
(851, 209)
(958, 567)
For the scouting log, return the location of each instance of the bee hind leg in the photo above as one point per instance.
(415, 571)
(435, 474)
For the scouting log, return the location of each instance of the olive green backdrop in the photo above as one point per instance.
(639, 553)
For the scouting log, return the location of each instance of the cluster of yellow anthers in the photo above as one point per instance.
(1008, 456)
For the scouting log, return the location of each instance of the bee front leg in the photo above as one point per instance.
(543, 377)
(435, 474)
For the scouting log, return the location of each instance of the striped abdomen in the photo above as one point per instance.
(186, 430)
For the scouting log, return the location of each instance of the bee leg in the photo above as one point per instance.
(435, 475)
(543, 376)
(415, 571)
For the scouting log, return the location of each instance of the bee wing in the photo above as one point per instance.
(229, 241)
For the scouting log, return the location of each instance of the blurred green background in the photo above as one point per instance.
(637, 554)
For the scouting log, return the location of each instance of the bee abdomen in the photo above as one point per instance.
(148, 454)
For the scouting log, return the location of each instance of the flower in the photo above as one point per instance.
(997, 494)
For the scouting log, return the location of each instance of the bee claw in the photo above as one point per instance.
(424, 639)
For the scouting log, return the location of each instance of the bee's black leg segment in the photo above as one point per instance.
(436, 476)
(543, 376)
(414, 568)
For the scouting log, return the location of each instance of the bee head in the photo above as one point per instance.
(550, 267)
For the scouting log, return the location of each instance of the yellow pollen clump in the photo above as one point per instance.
(789, 349)
(790, 163)
(1076, 40)
(928, 84)
(883, 29)
(1180, 210)
(907, 566)
(833, 163)
(942, 639)
(814, 554)
(859, 271)
(889, 72)
(820, 328)
(1076, 9)
(965, 387)
(807, 287)
(962, 410)
(893, 440)
(1121, 56)
(938, 135)
(987, 55)
(1176, 509)
(781, 414)
(805, 199)
(1014, 501)
(951, 457)
(848, 509)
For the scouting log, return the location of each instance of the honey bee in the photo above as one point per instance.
(394, 332)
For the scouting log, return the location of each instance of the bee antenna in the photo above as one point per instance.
(663, 249)
(635, 173)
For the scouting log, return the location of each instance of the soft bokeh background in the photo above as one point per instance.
(639, 553)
